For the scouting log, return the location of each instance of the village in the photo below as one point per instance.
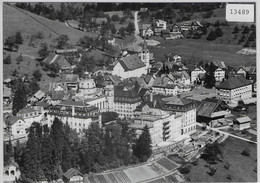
(184, 106)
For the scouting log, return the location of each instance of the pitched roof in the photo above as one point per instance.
(57, 95)
(72, 103)
(72, 172)
(131, 62)
(164, 82)
(59, 59)
(249, 69)
(234, 82)
(39, 94)
(26, 110)
(12, 119)
(220, 64)
(127, 90)
(177, 101)
(71, 78)
(243, 119)
(207, 107)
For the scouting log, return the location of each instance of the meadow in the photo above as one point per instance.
(241, 167)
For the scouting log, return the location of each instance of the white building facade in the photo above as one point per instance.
(219, 74)
(234, 89)
(195, 74)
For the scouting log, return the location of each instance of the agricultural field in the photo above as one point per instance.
(201, 50)
(241, 167)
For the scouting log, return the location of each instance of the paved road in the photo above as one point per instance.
(217, 130)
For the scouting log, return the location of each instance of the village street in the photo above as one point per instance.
(225, 133)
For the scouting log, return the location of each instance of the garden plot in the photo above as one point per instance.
(139, 174)
(168, 164)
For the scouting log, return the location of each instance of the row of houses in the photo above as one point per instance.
(160, 28)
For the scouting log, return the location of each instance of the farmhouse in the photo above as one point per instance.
(60, 60)
(241, 123)
(212, 109)
(234, 89)
(72, 175)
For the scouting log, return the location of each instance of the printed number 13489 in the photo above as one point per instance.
(239, 11)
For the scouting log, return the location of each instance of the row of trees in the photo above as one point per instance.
(50, 152)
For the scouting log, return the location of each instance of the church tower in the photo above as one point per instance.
(145, 56)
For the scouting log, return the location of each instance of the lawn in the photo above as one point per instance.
(241, 167)
(196, 50)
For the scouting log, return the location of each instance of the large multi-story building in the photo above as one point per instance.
(163, 125)
(188, 110)
(127, 97)
(77, 114)
(234, 89)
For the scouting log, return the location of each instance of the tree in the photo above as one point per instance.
(32, 169)
(20, 98)
(130, 28)
(142, 149)
(18, 38)
(212, 36)
(33, 87)
(47, 155)
(37, 75)
(108, 116)
(212, 170)
(218, 32)
(236, 30)
(246, 30)
(10, 42)
(122, 32)
(8, 60)
(115, 18)
(185, 169)
(217, 23)
(19, 59)
(62, 41)
(44, 51)
(246, 152)
(210, 76)
(212, 153)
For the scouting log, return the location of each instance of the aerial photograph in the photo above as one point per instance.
(129, 92)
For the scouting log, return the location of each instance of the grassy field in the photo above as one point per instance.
(196, 50)
(28, 23)
(241, 169)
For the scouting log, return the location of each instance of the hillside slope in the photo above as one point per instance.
(15, 19)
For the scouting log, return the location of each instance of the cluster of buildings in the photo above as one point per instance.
(138, 89)
(160, 28)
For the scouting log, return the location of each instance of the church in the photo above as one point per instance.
(134, 65)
